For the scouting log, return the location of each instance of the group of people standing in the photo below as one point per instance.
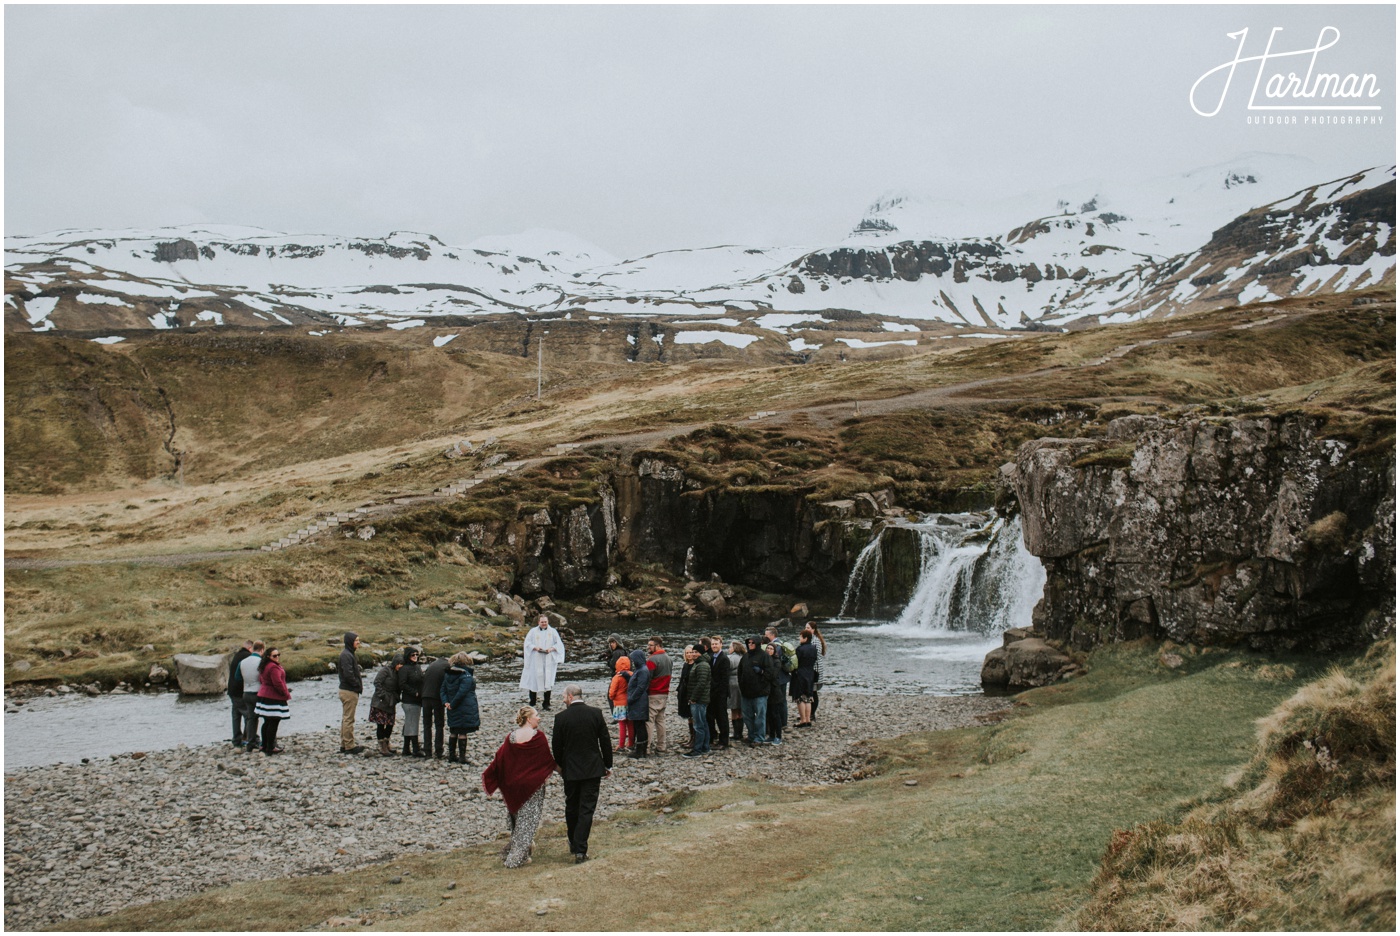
(258, 692)
(722, 693)
(739, 692)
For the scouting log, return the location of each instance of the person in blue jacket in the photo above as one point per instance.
(638, 702)
(458, 695)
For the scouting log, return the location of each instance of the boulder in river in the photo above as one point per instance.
(202, 673)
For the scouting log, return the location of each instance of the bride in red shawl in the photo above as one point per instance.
(520, 769)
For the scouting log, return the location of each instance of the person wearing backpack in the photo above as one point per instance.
(755, 682)
(235, 692)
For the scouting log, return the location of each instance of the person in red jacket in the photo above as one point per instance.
(660, 665)
(273, 696)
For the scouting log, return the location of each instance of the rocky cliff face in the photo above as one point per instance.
(651, 513)
(1248, 530)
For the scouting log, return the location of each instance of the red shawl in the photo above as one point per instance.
(518, 770)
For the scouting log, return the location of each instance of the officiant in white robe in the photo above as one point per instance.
(544, 651)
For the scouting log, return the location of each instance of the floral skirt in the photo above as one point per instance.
(381, 717)
(523, 826)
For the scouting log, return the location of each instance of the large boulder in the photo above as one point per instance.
(1025, 664)
(1257, 530)
(202, 673)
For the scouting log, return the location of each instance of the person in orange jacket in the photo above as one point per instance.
(617, 696)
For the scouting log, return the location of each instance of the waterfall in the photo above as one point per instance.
(868, 569)
(974, 577)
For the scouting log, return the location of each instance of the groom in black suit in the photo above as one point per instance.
(583, 751)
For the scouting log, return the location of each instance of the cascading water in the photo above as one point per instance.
(975, 577)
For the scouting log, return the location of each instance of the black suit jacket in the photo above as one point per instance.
(581, 744)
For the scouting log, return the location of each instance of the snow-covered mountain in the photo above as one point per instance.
(1255, 228)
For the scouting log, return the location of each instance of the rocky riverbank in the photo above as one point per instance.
(87, 839)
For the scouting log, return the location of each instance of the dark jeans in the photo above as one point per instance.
(580, 800)
(434, 720)
(240, 718)
(755, 717)
(701, 726)
(383, 732)
(250, 699)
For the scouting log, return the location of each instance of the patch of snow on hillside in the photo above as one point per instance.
(801, 344)
(94, 299)
(163, 320)
(441, 340)
(40, 308)
(862, 343)
(973, 335)
(728, 322)
(110, 339)
(398, 326)
(705, 337)
(209, 316)
(286, 321)
(899, 327)
(632, 339)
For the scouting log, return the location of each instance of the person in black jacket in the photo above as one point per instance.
(434, 714)
(755, 682)
(411, 698)
(717, 716)
(235, 693)
(583, 750)
(351, 685)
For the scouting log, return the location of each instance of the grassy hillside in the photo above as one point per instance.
(276, 430)
(998, 828)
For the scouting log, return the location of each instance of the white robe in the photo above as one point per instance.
(538, 674)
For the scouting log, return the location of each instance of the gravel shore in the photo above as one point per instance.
(88, 839)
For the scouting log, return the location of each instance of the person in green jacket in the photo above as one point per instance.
(697, 689)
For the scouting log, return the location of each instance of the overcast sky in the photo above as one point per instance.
(636, 128)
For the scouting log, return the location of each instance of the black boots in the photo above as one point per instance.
(738, 733)
(546, 701)
(454, 744)
(406, 749)
(417, 748)
(534, 699)
(638, 750)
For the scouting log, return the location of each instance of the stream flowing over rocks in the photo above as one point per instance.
(88, 839)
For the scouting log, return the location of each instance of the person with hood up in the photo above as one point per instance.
(777, 696)
(544, 651)
(411, 698)
(458, 698)
(351, 685)
(616, 651)
(617, 697)
(273, 696)
(434, 715)
(755, 683)
(520, 770)
(638, 702)
(384, 703)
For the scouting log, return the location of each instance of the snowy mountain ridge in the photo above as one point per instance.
(1091, 251)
